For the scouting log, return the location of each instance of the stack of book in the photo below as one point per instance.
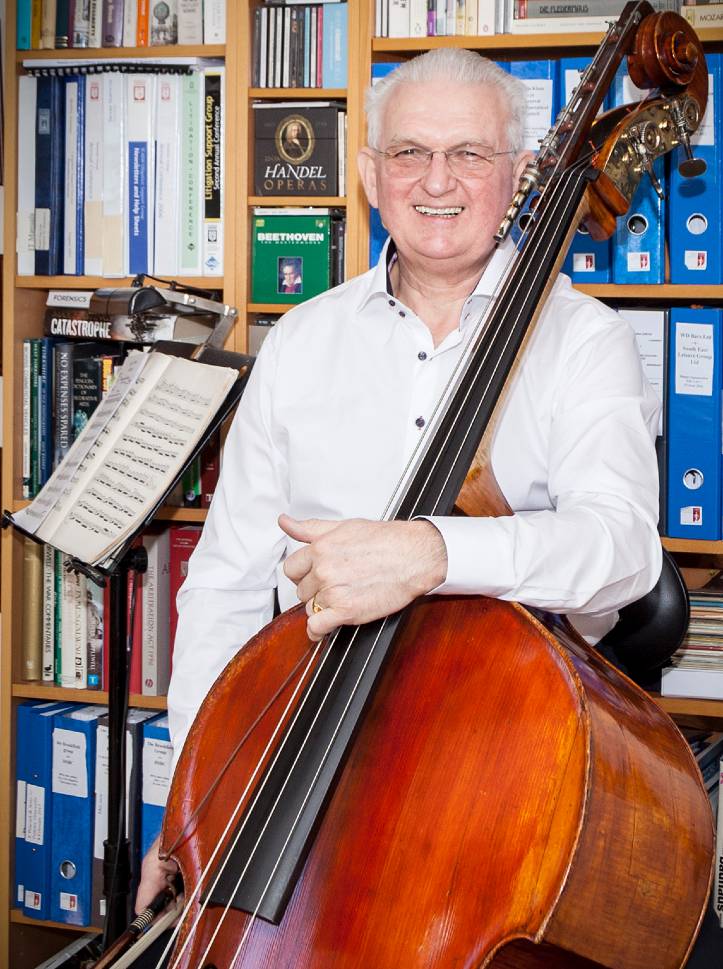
(66, 636)
(118, 23)
(438, 18)
(62, 798)
(67, 372)
(300, 45)
(121, 172)
(696, 669)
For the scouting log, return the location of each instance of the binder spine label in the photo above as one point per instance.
(138, 204)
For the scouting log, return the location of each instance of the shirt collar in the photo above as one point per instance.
(380, 284)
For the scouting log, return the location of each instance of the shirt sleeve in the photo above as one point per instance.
(596, 548)
(228, 594)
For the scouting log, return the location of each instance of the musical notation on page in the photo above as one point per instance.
(131, 451)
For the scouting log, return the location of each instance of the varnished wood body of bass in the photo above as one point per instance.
(514, 806)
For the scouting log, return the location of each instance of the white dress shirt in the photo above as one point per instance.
(335, 405)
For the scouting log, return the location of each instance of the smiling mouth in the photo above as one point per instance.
(449, 212)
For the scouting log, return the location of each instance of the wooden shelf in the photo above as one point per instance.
(38, 691)
(507, 42)
(122, 53)
(692, 546)
(18, 917)
(270, 307)
(107, 282)
(690, 706)
(314, 201)
(663, 292)
(297, 93)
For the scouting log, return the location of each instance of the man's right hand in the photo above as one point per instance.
(155, 876)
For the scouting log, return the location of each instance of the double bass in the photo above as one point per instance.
(465, 783)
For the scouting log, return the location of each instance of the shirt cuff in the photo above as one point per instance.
(480, 558)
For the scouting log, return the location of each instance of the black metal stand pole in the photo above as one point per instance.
(116, 857)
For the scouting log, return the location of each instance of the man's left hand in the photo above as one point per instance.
(356, 571)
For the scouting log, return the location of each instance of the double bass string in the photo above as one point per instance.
(467, 363)
(307, 657)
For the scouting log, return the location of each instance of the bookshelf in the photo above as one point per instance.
(23, 940)
(24, 298)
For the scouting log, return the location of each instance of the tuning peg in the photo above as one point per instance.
(690, 167)
(654, 180)
(686, 119)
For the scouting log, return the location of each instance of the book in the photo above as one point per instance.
(168, 154)
(695, 351)
(156, 771)
(214, 21)
(140, 166)
(25, 233)
(190, 21)
(580, 8)
(290, 254)
(155, 626)
(48, 617)
(213, 171)
(182, 541)
(334, 70)
(32, 665)
(708, 16)
(112, 23)
(49, 175)
(34, 807)
(692, 682)
(190, 244)
(74, 201)
(93, 178)
(114, 174)
(163, 23)
(135, 444)
(651, 336)
(296, 148)
(73, 780)
(74, 641)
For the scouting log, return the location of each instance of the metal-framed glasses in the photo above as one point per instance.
(465, 161)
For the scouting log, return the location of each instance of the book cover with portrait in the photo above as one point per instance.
(291, 251)
(297, 147)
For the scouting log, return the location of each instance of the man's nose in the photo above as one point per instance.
(439, 177)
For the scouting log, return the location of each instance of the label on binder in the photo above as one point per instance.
(583, 262)
(638, 262)
(694, 359)
(695, 259)
(692, 515)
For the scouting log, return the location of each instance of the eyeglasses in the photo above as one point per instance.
(467, 161)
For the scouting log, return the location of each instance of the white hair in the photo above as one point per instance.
(450, 64)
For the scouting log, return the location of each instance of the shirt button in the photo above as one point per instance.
(392, 303)
(421, 355)
(419, 422)
(402, 313)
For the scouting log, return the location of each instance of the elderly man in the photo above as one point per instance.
(346, 383)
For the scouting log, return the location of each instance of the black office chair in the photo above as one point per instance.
(650, 630)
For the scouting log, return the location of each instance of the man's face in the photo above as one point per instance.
(438, 215)
(288, 275)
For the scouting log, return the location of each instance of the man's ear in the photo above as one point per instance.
(367, 165)
(519, 164)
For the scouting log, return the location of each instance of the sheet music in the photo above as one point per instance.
(59, 484)
(136, 455)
